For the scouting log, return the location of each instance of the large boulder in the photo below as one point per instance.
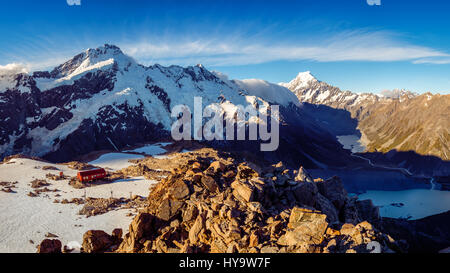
(95, 241)
(305, 227)
(244, 190)
(169, 208)
(50, 246)
(179, 190)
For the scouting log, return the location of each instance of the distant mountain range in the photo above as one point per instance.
(394, 120)
(102, 99)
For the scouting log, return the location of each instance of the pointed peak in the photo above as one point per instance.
(305, 76)
(106, 54)
(302, 80)
(107, 49)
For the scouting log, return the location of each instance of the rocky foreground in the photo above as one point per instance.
(216, 203)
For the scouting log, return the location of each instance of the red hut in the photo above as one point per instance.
(91, 175)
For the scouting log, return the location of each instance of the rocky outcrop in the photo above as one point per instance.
(224, 205)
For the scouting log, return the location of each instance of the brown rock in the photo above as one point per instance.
(365, 226)
(179, 190)
(168, 209)
(209, 183)
(50, 246)
(269, 249)
(117, 233)
(217, 166)
(303, 176)
(348, 229)
(196, 166)
(196, 229)
(333, 232)
(197, 178)
(190, 213)
(243, 190)
(218, 246)
(229, 175)
(142, 224)
(254, 240)
(245, 172)
(306, 226)
(279, 167)
(95, 241)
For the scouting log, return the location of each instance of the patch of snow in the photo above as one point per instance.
(153, 149)
(268, 91)
(115, 161)
(322, 96)
(25, 218)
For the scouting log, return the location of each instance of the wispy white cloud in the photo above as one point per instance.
(223, 51)
(439, 60)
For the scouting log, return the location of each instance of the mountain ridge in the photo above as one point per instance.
(102, 99)
(388, 121)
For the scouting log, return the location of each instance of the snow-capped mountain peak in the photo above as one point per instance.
(305, 77)
(91, 59)
(302, 80)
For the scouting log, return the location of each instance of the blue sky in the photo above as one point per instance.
(347, 43)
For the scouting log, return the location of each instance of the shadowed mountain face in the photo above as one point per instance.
(402, 121)
(102, 99)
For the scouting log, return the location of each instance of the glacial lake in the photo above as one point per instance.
(403, 202)
(417, 203)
